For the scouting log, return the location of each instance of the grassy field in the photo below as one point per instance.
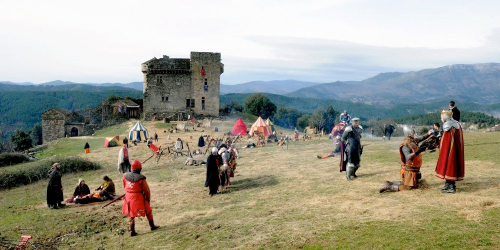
(279, 198)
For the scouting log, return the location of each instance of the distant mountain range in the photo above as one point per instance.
(478, 83)
(462, 82)
(132, 85)
(272, 87)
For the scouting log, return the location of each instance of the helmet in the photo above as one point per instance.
(408, 131)
(355, 119)
(214, 149)
(136, 165)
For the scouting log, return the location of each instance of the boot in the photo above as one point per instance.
(446, 186)
(348, 173)
(61, 205)
(354, 172)
(152, 225)
(132, 229)
(386, 187)
(451, 189)
(395, 187)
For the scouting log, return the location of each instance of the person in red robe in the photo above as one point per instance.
(451, 162)
(137, 197)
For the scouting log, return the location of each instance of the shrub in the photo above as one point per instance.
(35, 171)
(7, 159)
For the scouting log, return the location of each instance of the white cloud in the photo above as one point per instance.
(105, 41)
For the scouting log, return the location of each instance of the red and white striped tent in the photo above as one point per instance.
(260, 126)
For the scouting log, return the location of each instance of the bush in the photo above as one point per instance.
(35, 171)
(7, 159)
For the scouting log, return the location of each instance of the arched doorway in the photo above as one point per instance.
(74, 132)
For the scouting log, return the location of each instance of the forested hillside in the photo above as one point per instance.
(465, 116)
(23, 108)
(365, 111)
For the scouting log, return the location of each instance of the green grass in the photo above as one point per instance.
(279, 199)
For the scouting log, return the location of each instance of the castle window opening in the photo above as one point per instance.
(159, 79)
(205, 87)
(203, 103)
(189, 103)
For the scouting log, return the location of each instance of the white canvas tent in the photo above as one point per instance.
(138, 132)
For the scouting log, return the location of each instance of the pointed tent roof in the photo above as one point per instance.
(261, 126)
(270, 124)
(138, 132)
(239, 128)
(112, 141)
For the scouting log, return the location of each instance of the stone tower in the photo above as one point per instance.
(182, 85)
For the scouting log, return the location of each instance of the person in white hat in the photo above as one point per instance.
(213, 162)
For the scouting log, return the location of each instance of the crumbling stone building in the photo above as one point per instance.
(59, 123)
(173, 85)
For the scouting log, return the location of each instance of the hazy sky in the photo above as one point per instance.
(321, 41)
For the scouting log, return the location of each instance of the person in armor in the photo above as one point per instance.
(224, 169)
(345, 117)
(451, 162)
(411, 161)
(351, 149)
(137, 197)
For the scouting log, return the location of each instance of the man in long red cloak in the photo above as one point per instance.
(451, 162)
(137, 198)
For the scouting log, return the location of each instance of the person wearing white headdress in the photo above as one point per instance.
(213, 162)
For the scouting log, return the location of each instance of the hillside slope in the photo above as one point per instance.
(273, 87)
(462, 82)
(22, 106)
(299, 202)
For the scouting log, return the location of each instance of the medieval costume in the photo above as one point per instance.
(55, 188)
(137, 197)
(213, 163)
(87, 148)
(123, 160)
(345, 117)
(201, 142)
(388, 130)
(455, 112)
(351, 149)
(224, 169)
(107, 188)
(451, 162)
(411, 161)
(82, 189)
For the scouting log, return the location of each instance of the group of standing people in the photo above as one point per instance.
(451, 162)
(221, 164)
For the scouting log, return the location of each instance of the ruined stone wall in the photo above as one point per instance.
(166, 96)
(168, 83)
(53, 125)
(211, 63)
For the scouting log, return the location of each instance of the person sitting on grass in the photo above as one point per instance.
(81, 190)
(107, 188)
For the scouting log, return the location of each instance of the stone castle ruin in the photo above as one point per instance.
(173, 87)
(182, 85)
(59, 123)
